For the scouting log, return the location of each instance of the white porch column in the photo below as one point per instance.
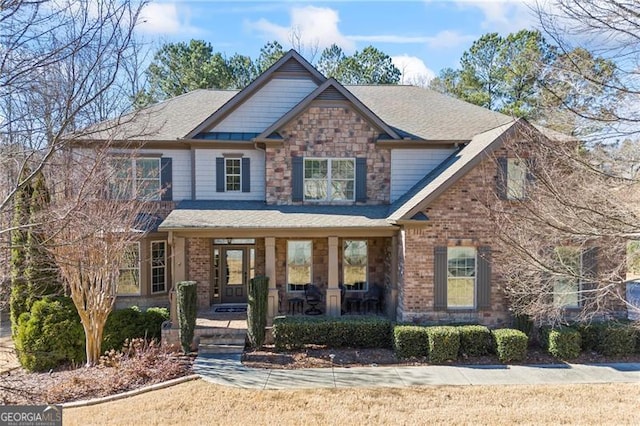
(178, 273)
(333, 291)
(270, 271)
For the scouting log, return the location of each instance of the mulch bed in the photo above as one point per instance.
(320, 357)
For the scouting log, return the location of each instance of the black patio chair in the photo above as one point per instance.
(313, 296)
(372, 299)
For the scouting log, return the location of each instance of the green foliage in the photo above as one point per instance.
(365, 332)
(511, 344)
(523, 323)
(616, 340)
(475, 340)
(257, 310)
(187, 303)
(410, 341)
(270, 53)
(589, 335)
(131, 323)
(444, 343)
(369, 66)
(50, 335)
(564, 343)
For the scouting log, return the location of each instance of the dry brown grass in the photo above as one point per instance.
(200, 402)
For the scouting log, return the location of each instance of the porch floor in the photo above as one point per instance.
(209, 318)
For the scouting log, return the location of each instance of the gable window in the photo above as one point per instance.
(129, 278)
(158, 266)
(299, 264)
(354, 265)
(233, 174)
(329, 179)
(516, 178)
(461, 277)
(566, 284)
(136, 178)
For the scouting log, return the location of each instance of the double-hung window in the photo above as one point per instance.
(329, 179)
(136, 178)
(129, 278)
(354, 265)
(299, 264)
(461, 277)
(158, 266)
(233, 174)
(566, 283)
(516, 179)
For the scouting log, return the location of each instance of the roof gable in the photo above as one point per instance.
(330, 90)
(291, 64)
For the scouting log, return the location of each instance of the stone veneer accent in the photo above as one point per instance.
(328, 131)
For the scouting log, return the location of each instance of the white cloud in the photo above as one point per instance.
(503, 16)
(413, 69)
(314, 25)
(442, 40)
(165, 18)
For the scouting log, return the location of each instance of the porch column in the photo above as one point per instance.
(333, 291)
(392, 307)
(178, 272)
(270, 271)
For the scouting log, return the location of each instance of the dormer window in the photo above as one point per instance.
(329, 179)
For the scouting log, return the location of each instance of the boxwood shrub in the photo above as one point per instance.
(410, 341)
(590, 335)
(616, 340)
(444, 343)
(475, 340)
(364, 332)
(132, 323)
(564, 342)
(511, 344)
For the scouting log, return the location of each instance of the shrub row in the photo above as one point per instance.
(444, 343)
(366, 332)
(51, 334)
(610, 339)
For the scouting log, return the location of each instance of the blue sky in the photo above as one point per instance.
(422, 37)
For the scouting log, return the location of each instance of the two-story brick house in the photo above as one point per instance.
(305, 180)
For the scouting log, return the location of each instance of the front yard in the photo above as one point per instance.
(199, 402)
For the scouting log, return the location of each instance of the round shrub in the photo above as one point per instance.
(131, 323)
(564, 343)
(410, 341)
(475, 340)
(50, 335)
(444, 343)
(511, 345)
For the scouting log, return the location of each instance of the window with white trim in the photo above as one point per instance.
(516, 178)
(329, 179)
(233, 174)
(137, 178)
(129, 278)
(461, 277)
(566, 282)
(299, 264)
(158, 266)
(354, 265)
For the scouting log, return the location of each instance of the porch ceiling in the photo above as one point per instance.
(251, 215)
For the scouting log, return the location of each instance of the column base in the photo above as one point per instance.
(333, 302)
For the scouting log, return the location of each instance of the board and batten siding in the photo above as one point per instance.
(205, 161)
(267, 105)
(408, 166)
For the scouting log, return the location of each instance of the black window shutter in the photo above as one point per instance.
(246, 174)
(483, 283)
(589, 271)
(220, 184)
(361, 179)
(502, 178)
(166, 179)
(440, 278)
(297, 179)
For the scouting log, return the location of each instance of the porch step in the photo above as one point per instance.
(222, 340)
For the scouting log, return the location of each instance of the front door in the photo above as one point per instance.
(236, 265)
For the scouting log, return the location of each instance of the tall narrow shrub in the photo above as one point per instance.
(257, 310)
(187, 301)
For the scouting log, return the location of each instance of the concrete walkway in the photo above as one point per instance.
(229, 371)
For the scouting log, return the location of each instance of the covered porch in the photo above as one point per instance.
(331, 260)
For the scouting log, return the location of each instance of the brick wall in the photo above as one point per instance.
(328, 132)
(199, 267)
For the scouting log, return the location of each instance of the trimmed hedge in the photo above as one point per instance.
(410, 341)
(50, 335)
(511, 344)
(131, 323)
(564, 343)
(365, 332)
(617, 340)
(475, 340)
(444, 343)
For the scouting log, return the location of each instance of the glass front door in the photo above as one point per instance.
(233, 268)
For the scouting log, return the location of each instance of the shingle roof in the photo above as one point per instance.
(258, 215)
(427, 114)
(165, 121)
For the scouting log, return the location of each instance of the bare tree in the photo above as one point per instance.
(91, 232)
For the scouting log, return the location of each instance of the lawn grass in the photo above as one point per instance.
(199, 402)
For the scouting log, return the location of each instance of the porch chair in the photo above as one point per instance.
(313, 297)
(373, 299)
